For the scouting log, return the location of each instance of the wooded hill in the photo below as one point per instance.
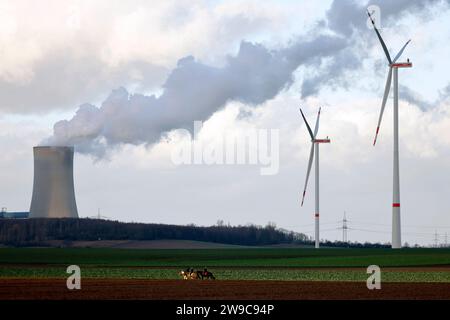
(25, 232)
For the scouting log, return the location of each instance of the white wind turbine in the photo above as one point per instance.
(314, 150)
(393, 65)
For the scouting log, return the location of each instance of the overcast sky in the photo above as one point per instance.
(142, 70)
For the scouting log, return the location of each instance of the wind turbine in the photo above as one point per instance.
(393, 67)
(314, 150)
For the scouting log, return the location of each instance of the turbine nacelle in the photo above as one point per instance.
(321, 141)
(401, 65)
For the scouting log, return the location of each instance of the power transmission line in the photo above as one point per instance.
(310, 224)
(406, 226)
(435, 238)
(362, 226)
(99, 216)
(324, 230)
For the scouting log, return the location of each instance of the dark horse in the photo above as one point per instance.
(207, 275)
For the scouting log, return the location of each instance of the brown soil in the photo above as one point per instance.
(55, 289)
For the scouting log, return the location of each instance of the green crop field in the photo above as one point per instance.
(227, 264)
(226, 257)
(226, 274)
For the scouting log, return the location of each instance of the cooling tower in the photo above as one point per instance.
(53, 191)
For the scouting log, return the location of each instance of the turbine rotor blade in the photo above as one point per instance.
(400, 52)
(307, 125)
(311, 157)
(388, 56)
(316, 129)
(383, 104)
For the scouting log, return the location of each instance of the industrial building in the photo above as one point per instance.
(53, 187)
(4, 214)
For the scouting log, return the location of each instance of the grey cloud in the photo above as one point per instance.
(333, 74)
(64, 79)
(445, 93)
(244, 114)
(344, 17)
(347, 16)
(414, 98)
(391, 9)
(348, 19)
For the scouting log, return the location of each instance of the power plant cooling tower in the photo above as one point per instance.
(53, 191)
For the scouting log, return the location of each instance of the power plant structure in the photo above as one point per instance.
(53, 187)
(5, 214)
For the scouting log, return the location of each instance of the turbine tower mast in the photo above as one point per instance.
(393, 68)
(314, 149)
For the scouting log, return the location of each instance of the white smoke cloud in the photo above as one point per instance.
(195, 90)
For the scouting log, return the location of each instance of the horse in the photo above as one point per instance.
(191, 275)
(208, 275)
(184, 274)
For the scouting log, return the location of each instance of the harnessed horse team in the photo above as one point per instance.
(190, 274)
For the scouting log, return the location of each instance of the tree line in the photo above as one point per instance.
(20, 232)
(37, 232)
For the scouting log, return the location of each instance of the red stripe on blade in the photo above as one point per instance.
(376, 135)
(316, 215)
(396, 205)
